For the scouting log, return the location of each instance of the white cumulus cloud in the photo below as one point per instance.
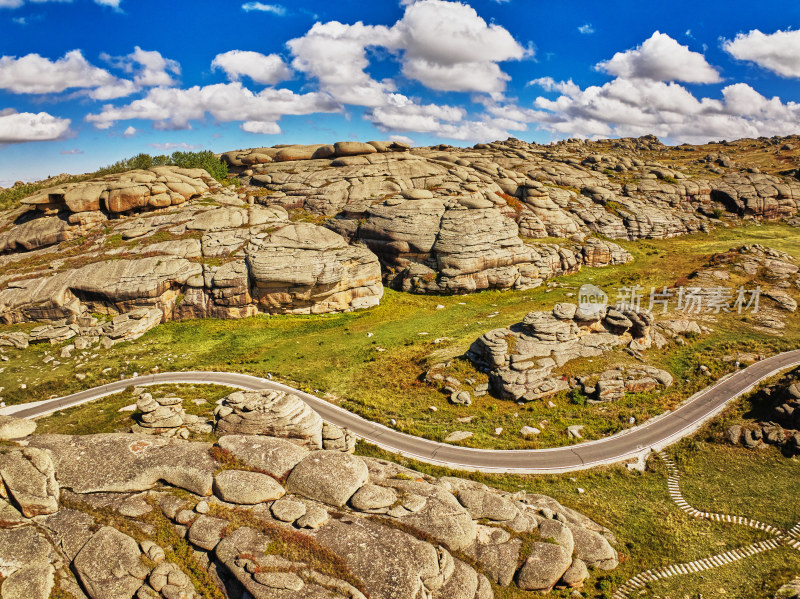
(437, 36)
(34, 74)
(445, 46)
(129, 132)
(262, 127)
(634, 107)
(336, 55)
(18, 127)
(778, 52)
(265, 69)
(171, 108)
(661, 58)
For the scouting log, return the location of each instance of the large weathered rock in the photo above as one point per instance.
(29, 479)
(545, 566)
(118, 462)
(239, 486)
(328, 476)
(15, 428)
(110, 566)
(521, 358)
(118, 285)
(305, 269)
(271, 413)
(157, 187)
(391, 563)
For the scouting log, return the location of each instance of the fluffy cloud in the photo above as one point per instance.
(172, 108)
(265, 69)
(264, 128)
(400, 113)
(129, 132)
(661, 58)
(34, 74)
(586, 29)
(18, 127)
(336, 55)
(778, 52)
(403, 114)
(445, 46)
(275, 9)
(149, 67)
(448, 46)
(625, 107)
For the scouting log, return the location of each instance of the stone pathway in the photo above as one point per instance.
(789, 538)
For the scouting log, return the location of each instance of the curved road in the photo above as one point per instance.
(625, 446)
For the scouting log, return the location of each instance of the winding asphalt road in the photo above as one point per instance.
(625, 446)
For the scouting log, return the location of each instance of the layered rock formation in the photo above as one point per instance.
(218, 257)
(520, 359)
(317, 228)
(285, 521)
(777, 421)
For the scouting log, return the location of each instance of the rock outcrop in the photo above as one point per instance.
(520, 359)
(271, 518)
(271, 413)
(778, 418)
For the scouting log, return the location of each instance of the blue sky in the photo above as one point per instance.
(84, 83)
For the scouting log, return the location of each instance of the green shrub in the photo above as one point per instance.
(205, 160)
(576, 397)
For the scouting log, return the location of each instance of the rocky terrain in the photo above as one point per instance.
(266, 512)
(320, 228)
(776, 411)
(520, 359)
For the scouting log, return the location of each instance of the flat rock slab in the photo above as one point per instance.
(34, 581)
(20, 547)
(121, 462)
(269, 454)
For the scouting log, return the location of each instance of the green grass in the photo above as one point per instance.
(652, 532)
(104, 415)
(334, 355)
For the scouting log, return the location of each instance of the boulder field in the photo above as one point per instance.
(132, 515)
(321, 228)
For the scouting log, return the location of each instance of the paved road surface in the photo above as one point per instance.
(626, 446)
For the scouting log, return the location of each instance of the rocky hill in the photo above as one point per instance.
(277, 507)
(313, 229)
